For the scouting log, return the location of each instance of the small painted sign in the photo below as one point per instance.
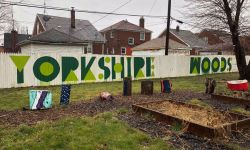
(39, 99)
(206, 65)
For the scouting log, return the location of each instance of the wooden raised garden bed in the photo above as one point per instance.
(197, 120)
(231, 99)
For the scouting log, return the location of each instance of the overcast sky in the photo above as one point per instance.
(26, 16)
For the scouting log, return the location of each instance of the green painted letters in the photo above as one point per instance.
(46, 69)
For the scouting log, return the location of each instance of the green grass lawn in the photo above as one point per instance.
(100, 132)
(103, 131)
(16, 98)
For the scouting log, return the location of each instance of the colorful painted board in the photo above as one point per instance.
(65, 94)
(166, 86)
(40, 99)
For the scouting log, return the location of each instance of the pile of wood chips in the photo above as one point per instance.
(201, 116)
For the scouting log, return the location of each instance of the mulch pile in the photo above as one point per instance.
(149, 126)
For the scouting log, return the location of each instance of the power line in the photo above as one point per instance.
(77, 10)
(152, 7)
(113, 11)
(105, 15)
(9, 3)
(182, 22)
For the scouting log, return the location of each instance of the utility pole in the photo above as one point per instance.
(44, 3)
(168, 27)
(12, 17)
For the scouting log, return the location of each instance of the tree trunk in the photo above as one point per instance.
(240, 56)
(248, 72)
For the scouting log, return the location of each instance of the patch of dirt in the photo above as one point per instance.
(147, 125)
(161, 130)
(81, 108)
(205, 117)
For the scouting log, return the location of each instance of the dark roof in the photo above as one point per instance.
(217, 32)
(127, 26)
(159, 43)
(189, 38)
(20, 38)
(52, 36)
(84, 30)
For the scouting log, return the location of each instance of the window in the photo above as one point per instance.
(131, 41)
(107, 51)
(123, 50)
(111, 34)
(104, 35)
(142, 36)
(89, 50)
(85, 49)
(206, 40)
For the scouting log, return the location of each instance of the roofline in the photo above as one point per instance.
(146, 49)
(180, 39)
(161, 33)
(41, 23)
(70, 36)
(176, 49)
(26, 42)
(126, 30)
(174, 35)
(62, 17)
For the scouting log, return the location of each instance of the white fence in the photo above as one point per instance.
(18, 70)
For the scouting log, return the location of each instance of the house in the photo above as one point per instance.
(11, 41)
(1, 49)
(218, 41)
(55, 41)
(53, 34)
(186, 37)
(123, 36)
(156, 47)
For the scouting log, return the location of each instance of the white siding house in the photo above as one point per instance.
(53, 34)
(156, 47)
(55, 48)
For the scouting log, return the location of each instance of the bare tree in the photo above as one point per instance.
(227, 15)
(5, 16)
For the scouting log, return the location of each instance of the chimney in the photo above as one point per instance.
(177, 28)
(142, 21)
(13, 41)
(73, 18)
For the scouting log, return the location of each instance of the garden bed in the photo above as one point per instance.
(199, 121)
(231, 100)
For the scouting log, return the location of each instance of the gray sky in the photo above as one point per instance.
(26, 16)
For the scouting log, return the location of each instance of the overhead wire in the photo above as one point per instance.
(155, 1)
(77, 10)
(98, 12)
(113, 11)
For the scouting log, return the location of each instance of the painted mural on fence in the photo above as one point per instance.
(206, 65)
(47, 69)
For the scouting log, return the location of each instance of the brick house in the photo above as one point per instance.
(123, 36)
(11, 41)
(61, 34)
(221, 41)
(217, 41)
